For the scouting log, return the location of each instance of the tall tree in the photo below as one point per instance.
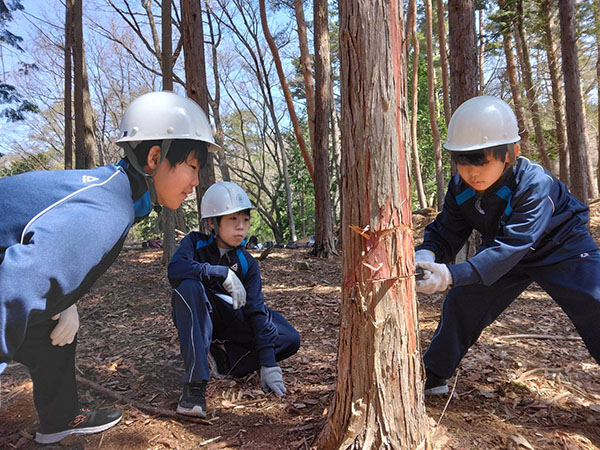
(84, 122)
(597, 24)
(378, 403)
(68, 54)
(441, 20)
(546, 11)
(168, 215)
(530, 88)
(431, 95)
(324, 243)
(576, 132)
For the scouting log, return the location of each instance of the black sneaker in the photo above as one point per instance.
(434, 385)
(88, 421)
(193, 400)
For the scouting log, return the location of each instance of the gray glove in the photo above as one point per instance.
(234, 286)
(271, 379)
(437, 278)
(424, 255)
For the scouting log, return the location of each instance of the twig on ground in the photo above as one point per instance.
(153, 410)
(540, 336)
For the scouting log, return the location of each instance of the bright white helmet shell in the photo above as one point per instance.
(481, 122)
(224, 198)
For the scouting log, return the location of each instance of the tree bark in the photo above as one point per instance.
(481, 52)
(286, 90)
(192, 33)
(68, 84)
(574, 105)
(84, 123)
(557, 95)
(378, 402)
(443, 60)
(169, 244)
(530, 89)
(597, 23)
(324, 246)
(437, 142)
(307, 74)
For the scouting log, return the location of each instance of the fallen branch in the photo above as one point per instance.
(153, 410)
(540, 336)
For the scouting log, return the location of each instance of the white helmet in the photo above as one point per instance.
(163, 116)
(224, 198)
(481, 122)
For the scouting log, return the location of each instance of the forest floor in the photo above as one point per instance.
(529, 382)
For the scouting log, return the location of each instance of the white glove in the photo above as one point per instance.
(271, 379)
(65, 330)
(437, 277)
(424, 255)
(236, 289)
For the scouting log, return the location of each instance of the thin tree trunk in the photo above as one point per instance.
(481, 52)
(597, 23)
(192, 33)
(574, 105)
(443, 59)
(557, 96)
(68, 84)
(335, 153)
(307, 74)
(295, 123)
(378, 403)
(324, 243)
(437, 143)
(286, 90)
(169, 244)
(530, 89)
(592, 186)
(84, 134)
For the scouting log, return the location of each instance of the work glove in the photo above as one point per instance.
(437, 277)
(271, 379)
(65, 330)
(234, 286)
(424, 255)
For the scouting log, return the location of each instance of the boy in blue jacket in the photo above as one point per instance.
(532, 227)
(218, 306)
(61, 230)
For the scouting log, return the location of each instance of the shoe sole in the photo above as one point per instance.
(52, 438)
(193, 412)
(438, 390)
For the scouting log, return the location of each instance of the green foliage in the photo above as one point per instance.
(37, 161)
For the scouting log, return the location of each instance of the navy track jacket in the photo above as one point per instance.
(527, 217)
(59, 231)
(198, 258)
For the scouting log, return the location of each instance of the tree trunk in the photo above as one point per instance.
(557, 98)
(192, 33)
(68, 84)
(481, 53)
(324, 243)
(307, 74)
(597, 24)
(417, 176)
(530, 89)
(443, 59)
(437, 143)
(573, 101)
(294, 118)
(84, 125)
(378, 402)
(463, 51)
(286, 90)
(169, 244)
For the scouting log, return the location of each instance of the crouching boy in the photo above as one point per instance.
(218, 306)
(532, 227)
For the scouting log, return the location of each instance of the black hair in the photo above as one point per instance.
(480, 157)
(179, 151)
(244, 211)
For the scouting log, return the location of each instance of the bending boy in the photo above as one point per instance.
(218, 306)
(533, 229)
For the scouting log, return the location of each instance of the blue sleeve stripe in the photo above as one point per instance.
(465, 195)
(243, 261)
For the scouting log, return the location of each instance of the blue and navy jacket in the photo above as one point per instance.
(527, 217)
(198, 258)
(60, 230)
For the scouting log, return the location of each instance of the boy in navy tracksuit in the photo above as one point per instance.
(532, 229)
(218, 306)
(62, 229)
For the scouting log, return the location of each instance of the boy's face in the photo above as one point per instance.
(480, 178)
(174, 183)
(233, 228)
